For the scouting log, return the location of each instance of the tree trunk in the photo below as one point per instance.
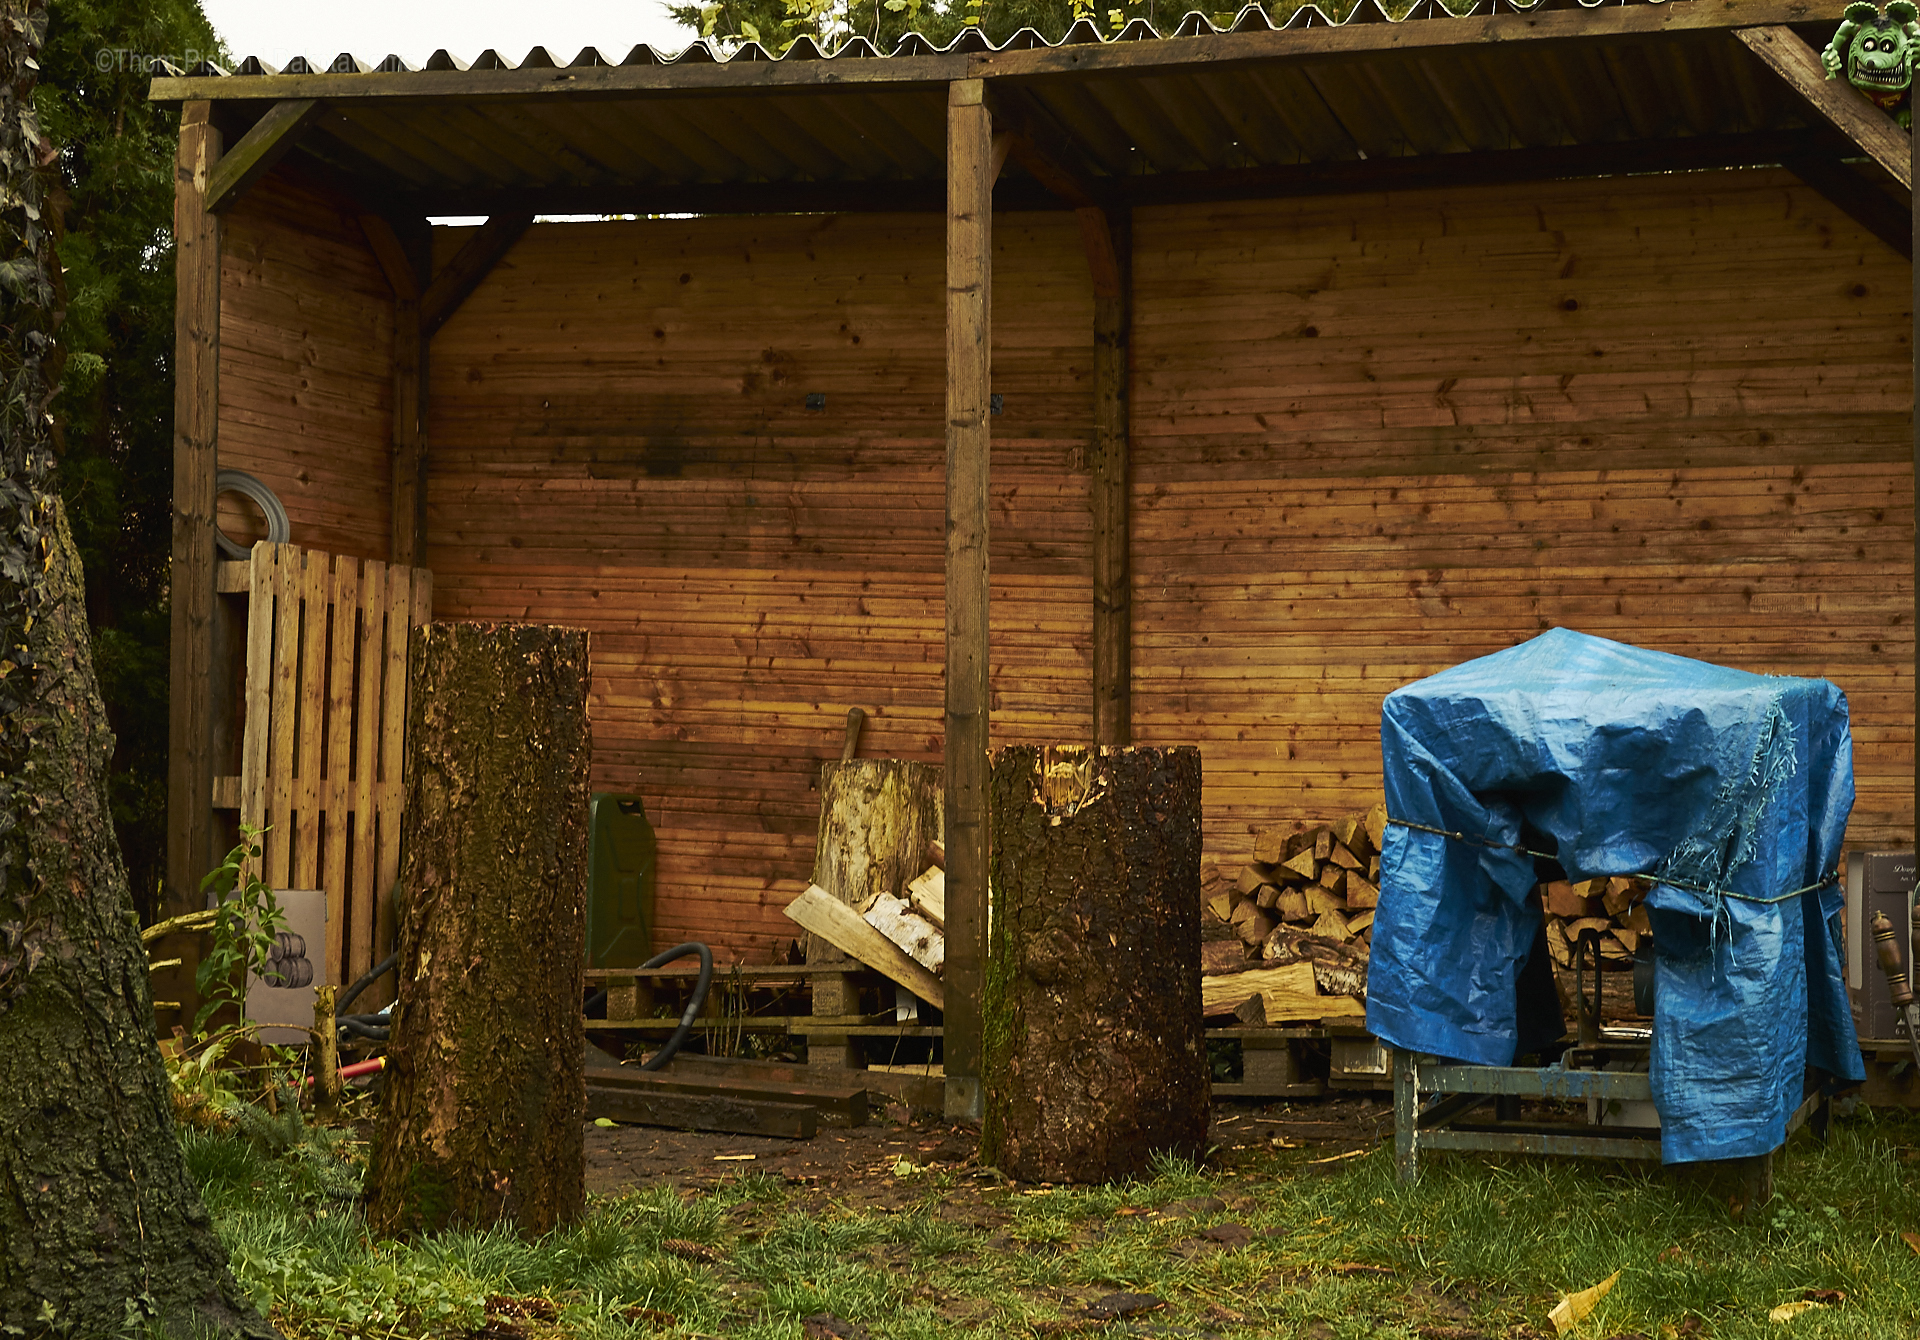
(1095, 1057)
(98, 1217)
(99, 1222)
(485, 1101)
(876, 818)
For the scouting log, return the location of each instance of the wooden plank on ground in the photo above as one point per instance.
(845, 1103)
(704, 1112)
(839, 925)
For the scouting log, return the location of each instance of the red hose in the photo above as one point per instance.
(358, 1068)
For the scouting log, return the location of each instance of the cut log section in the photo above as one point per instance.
(896, 919)
(928, 896)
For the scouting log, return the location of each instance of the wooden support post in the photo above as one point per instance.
(969, 384)
(1108, 235)
(1913, 346)
(196, 407)
(406, 254)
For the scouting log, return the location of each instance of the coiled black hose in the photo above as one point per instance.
(372, 1027)
(694, 1006)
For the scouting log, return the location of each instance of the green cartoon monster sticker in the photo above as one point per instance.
(1875, 51)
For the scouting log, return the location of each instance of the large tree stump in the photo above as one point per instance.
(876, 818)
(485, 1101)
(1095, 1056)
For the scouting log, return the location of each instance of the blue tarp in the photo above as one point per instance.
(1630, 762)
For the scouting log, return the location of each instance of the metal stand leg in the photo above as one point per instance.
(1406, 1115)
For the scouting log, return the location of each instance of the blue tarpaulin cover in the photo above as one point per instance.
(1730, 788)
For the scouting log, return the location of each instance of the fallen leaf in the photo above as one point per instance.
(1570, 1311)
(734, 1158)
(1360, 1268)
(1788, 1311)
(605, 1123)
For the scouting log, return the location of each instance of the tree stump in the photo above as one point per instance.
(876, 818)
(1095, 1055)
(485, 1099)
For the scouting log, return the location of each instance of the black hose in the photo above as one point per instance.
(356, 1025)
(694, 1006)
(385, 965)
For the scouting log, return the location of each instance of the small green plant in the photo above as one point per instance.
(249, 918)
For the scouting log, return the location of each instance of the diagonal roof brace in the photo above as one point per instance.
(1051, 158)
(1836, 101)
(255, 153)
(470, 265)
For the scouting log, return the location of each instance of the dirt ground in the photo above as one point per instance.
(855, 1166)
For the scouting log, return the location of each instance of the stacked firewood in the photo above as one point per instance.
(1308, 896)
(1612, 909)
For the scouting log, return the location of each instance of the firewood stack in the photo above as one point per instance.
(1308, 895)
(1612, 908)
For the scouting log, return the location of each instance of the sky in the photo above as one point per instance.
(278, 30)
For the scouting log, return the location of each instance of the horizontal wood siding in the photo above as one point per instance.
(1374, 437)
(306, 346)
(619, 440)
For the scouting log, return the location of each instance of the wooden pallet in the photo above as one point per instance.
(323, 747)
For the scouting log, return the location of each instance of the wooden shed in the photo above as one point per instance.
(1309, 360)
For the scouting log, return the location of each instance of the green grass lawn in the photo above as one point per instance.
(1483, 1247)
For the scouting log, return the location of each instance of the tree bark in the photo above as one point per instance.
(876, 818)
(100, 1225)
(485, 1101)
(98, 1217)
(1095, 1056)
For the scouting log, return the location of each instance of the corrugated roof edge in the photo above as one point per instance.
(1252, 18)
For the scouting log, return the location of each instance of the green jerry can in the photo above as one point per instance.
(620, 865)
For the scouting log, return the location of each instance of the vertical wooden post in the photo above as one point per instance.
(1914, 428)
(408, 546)
(1112, 568)
(196, 408)
(969, 360)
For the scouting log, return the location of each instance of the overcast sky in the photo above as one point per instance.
(278, 30)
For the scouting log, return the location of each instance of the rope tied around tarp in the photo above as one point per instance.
(1686, 885)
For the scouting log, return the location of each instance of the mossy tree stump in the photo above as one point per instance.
(485, 1102)
(1095, 1056)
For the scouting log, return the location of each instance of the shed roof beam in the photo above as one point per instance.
(1835, 100)
(255, 153)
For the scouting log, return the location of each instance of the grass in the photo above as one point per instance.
(1481, 1247)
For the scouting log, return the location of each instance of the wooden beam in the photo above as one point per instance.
(470, 265)
(1859, 199)
(1109, 494)
(703, 1112)
(408, 262)
(969, 388)
(196, 410)
(1913, 347)
(255, 153)
(1415, 173)
(1835, 100)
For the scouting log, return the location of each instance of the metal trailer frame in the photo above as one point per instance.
(1464, 1088)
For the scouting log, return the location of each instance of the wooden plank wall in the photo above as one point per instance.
(620, 440)
(1374, 437)
(306, 381)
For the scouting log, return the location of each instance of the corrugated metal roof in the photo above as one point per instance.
(1251, 18)
(1202, 111)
